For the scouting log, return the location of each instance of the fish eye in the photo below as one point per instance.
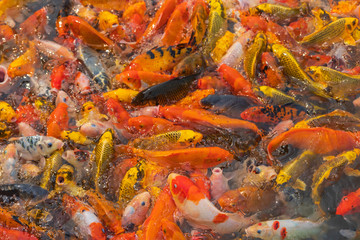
(175, 186)
(257, 170)
(93, 125)
(142, 203)
(354, 22)
(251, 168)
(49, 145)
(345, 198)
(259, 231)
(64, 99)
(349, 27)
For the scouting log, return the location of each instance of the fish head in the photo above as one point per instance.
(136, 210)
(65, 175)
(314, 72)
(278, 49)
(259, 230)
(349, 204)
(182, 188)
(189, 136)
(48, 145)
(87, 107)
(351, 24)
(108, 135)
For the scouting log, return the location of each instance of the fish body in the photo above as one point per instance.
(280, 12)
(164, 93)
(189, 157)
(52, 164)
(295, 72)
(198, 18)
(217, 25)
(104, 152)
(35, 147)
(253, 54)
(340, 84)
(325, 169)
(169, 140)
(199, 211)
(273, 113)
(99, 78)
(284, 229)
(319, 140)
(339, 30)
(58, 121)
(160, 59)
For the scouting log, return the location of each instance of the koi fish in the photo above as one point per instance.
(84, 217)
(135, 212)
(325, 169)
(52, 164)
(35, 147)
(273, 113)
(253, 54)
(349, 204)
(285, 229)
(248, 199)
(58, 121)
(222, 46)
(339, 30)
(199, 211)
(24, 64)
(166, 92)
(205, 157)
(198, 18)
(164, 207)
(7, 113)
(35, 24)
(104, 151)
(169, 140)
(319, 140)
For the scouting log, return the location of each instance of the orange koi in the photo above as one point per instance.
(105, 210)
(164, 208)
(145, 125)
(133, 78)
(171, 231)
(318, 140)
(84, 217)
(175, 28)
(160, 19)
(194, 158)
(35, 24)
(205, 118)
(58, 121)
(273, 114)
(89, 35)
(24, 64)
(239, 85)
(349, 204)
(199, 211)
(117, 111)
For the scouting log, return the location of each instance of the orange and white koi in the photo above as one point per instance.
(199, 211)
(84, 217)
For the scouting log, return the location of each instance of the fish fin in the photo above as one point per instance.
(352, 172)
(349, 40)
(299, 184)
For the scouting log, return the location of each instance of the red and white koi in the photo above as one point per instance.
(199, 211)
(285, 229)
